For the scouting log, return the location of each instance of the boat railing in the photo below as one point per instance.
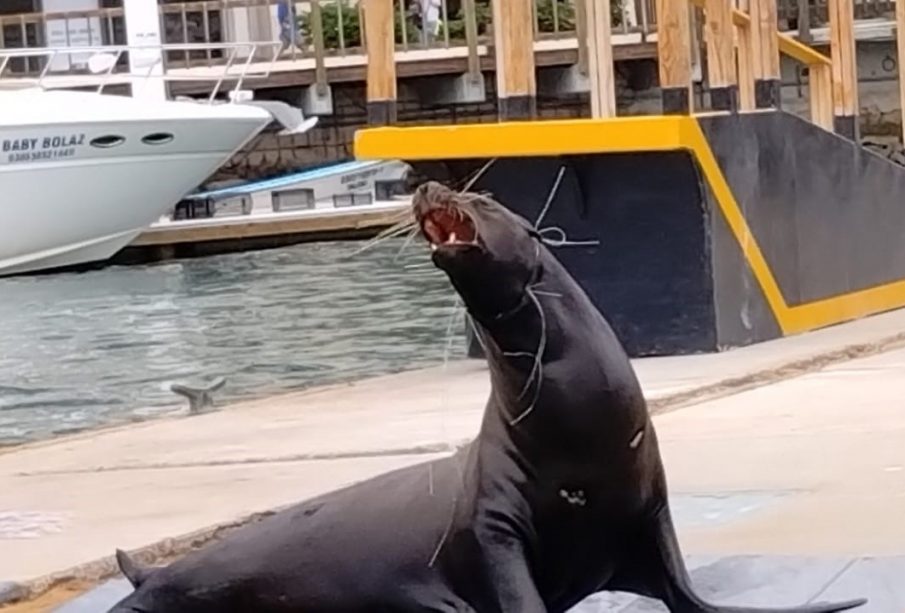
(107, 65)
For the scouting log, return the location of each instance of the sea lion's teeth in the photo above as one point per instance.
(433, 246)
(452, 238)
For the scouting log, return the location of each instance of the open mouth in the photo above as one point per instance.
(448, 227)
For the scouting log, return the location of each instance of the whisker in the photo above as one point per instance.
(538, 367)
(398, 230)
(449, 331)
(476, 332)
(443, 538)
(424, 266)
(541, 292)
(408, 241)
(480, 173)
(551, 196)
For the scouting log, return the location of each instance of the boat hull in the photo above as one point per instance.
(77, 192)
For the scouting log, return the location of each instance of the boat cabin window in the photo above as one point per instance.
(387, 190)
(341, 200)
(293, 200)
(234, 206)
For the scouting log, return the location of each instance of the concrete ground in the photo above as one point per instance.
(811, 466)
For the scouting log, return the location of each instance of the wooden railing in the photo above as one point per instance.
(329, 28)
(803, 15)
(819, 68)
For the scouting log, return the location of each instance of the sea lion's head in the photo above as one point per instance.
(490, 254)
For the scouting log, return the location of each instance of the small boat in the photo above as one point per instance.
(340, 187)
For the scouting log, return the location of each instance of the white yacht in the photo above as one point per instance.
(81, 174)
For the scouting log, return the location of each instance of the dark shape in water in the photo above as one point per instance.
(199, 397)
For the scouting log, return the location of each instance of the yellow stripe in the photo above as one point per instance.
(519, 139)
(734, 216)
(627, 135)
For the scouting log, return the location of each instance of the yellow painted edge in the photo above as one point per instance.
(520, 139)
(732, 213)
(627, 135)
(801, 52)
(791, 319)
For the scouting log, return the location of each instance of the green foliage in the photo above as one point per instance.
(336, 11)
(555, 15)
(332, 14)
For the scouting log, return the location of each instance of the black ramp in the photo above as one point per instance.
(651, 272)
(742, 313)
(828, 214)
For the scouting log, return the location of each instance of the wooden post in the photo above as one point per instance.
(600, 58)
(845, 72)
(745, 59)
(721, 72)
(320, 52)
(765, 46)
(381, 38)
(513, 33)
(820, 88)
(674, 51)
(804, 21)
(471, 38)
(900, 43)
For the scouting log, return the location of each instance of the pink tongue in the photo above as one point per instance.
(433, 231)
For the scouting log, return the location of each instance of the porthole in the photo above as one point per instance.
(105, 142)
(158, 138)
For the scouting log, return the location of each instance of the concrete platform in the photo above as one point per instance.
(809, 466)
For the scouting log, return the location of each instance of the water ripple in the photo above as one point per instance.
(83, 350)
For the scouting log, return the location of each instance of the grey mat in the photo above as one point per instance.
(749, 580)
(733, 580)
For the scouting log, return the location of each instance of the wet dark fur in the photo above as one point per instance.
(561, 495)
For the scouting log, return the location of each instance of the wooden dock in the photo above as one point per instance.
(210, 236)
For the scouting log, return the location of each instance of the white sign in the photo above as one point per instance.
(76, 32)
(143, 28)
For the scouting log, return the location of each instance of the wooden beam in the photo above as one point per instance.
(820, 88)
(845, 72)
(320, 52)
(471, 37)
(744, 59)
(721, 70)
(900, 43)
(381, 42)
(513, 33)
(674, 52)
(787, 44)
(765, 45)
(600, 58)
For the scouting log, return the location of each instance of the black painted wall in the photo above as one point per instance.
(650, 275)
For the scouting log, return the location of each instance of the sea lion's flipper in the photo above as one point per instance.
(667, 579)
(132, 571)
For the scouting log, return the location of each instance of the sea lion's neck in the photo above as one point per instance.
(519, 343)
(533, 355)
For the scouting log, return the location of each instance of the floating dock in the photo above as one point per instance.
(200, 237)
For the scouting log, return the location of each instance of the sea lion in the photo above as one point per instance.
(562, 494)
